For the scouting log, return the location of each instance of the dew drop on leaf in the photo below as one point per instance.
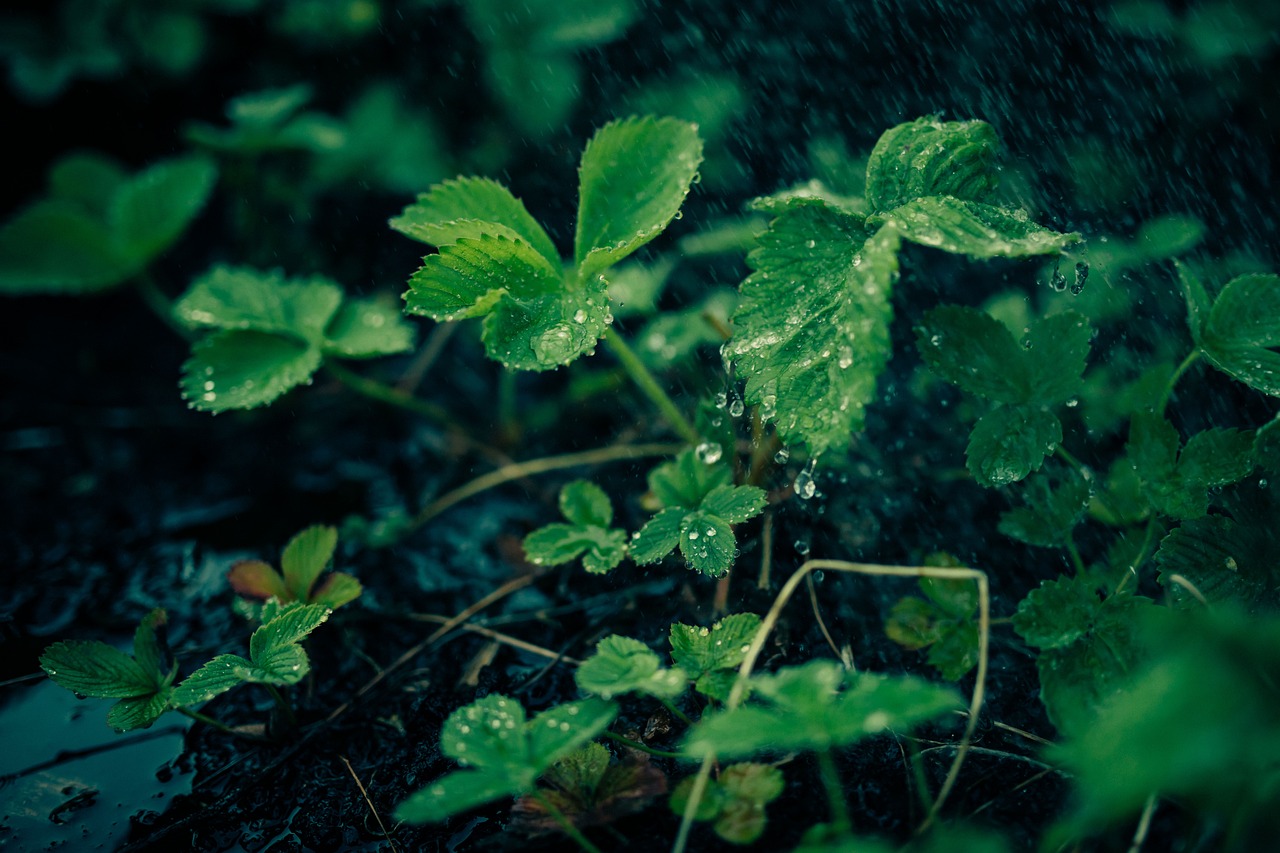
(709, 452)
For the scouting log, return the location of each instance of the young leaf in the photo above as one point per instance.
(635, 174)
(1178, 483)
(1052, 506)
(812, 330)
(974, 351)
(623, 665)
(1242, 331)
(305, 557)
(212, 679)
(818, 706)
(591, 789)
(272, 334)
(469, 208)
(704, 652)
(700, 520)
(1088, 647)
(507, 752)
(944, 623)
(588, 535)
(735, 801)
(927, 157)
(150, 212)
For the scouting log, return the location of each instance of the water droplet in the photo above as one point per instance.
(802, 547)
(1059, 281)
(693, 534)
(806, 487)
(1082, 275)
(722, 400)
(811, 243)
(737, 407)
(709, 452)
(711, 531)
(580, 316)
(782, 456)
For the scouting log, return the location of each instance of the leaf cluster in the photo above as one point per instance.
(942, 621)
(301, 564)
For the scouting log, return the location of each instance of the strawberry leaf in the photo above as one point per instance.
(624, 665)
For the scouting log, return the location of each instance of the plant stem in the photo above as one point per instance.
(635, 744)
(375, 390)
(283, 705)
(644, 380)
(1173, 380)
(565, 824)
(835, 794)
(507, 404)
(1076, 559)
(680, 715)
(159, 303)
(207, 720)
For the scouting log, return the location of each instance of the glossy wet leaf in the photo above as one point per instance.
(1010, 442)
(1178, 481)
(92, 668)
(723, 646)
(818, 706)
(587, 535)
(625, 665)
(244, 370)
(928, 157)
(1051, 507)
(471, 207)
(1242, 332)
(973, 229)
(507, 751)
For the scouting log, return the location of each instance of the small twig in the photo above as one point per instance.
(421, 364)
(1144, 825)
(498, 636)
(1190, 588)
(520, 470)
(369, 803)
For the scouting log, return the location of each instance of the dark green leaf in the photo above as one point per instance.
(1055, 351)
(635, 174)
(152, 210)
(722, 646)
(659, 536)
(584, 503)
(240, 298)
(1010, 442)
(458, 792)
(1242, 332)
(927, 157)
(969, 228)
(686, 480)
(138, 712)
(911, 623)
(812, 330)
(973, 350)
(1056, 614)
(956, 650)
(1176, 483)
(367, 328)
(1197, 298)
(1052, 506)
(1266, 446)
(55, 247)
(92, 668)
(243, 370)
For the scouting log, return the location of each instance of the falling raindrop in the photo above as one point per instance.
(806, 486)
(1059, 281)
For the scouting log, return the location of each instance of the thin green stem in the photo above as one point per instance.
(375, 390)
(644, 380)
(283, 704)
(830, 776)
(680, 715)
(915, 762)
(1076, 559)
(1143, 554)
(160, 304)
(565, 824)
(207, 720)
(507, 403)
(635, 744)
(1173, 380)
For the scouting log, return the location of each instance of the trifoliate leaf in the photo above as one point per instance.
(735, 801)
(1052, 506)
(469, 208)
(1233, 558)
(723, 646)
(634, 175)
(1088, 647)
(150, 212)
(1178, 483)
(303, 561)
(818, 706)
(686, 480)
(624, 665)
(969, 228)
(1010, 442)
(508, 752)
(367, 328)
(289, 628)
(92, 668)
(812, 330)
(1242, 331)
(587, 535)
(927, 157)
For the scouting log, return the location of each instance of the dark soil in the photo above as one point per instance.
(117, 499)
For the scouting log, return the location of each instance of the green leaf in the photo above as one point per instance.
(488, 733)
(944, 624)
(55, 247)
(818, 706)
(284, 665)
(812, 330)
(469, 208)
(336, 590)
(149, 648)
(1198, 305)
(92, 668)
(968, 228)
(735, 801)
(956, 650)
(1178, 483)
(305, 557)
(624, 665)
(241, 298)
(367, 328)
(1266, 446)
(735, 504)
(1055, 350)
(973, 350)
(587, 507)
(686, 481)
(88, 179)
(243, 370)
(150, 212)
(256, 579)
(562, 729)
(457, 792)
(289, 628)
(584, 503)
(723, 646)
(1243, 329)
(1052, 506)
(634, 175)
(138, 712)
(927, 157)
(1088, 648)
(213, 679)
(659, 536)
(1010, 442)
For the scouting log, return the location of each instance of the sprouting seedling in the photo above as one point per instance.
(99, 226)
(142, 683)
(269, 335)
(973, 350)
(735, 801)
(701, 505)
(587, 535)
(1087, 645)
(590, 788)
(944, 621)
(1239, 332)
(504, 753)
(711, 656)
(495, 262)
(1177, 480)
(301, 564)
(626, 665)
(812, 331)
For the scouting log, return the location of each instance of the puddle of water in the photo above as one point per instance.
(79, 782)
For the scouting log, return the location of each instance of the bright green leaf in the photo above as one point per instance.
(289, 628)
(686, 480)
(284, 665)
(243, 370)
(969, 228)
(367, 328)
(588, 535)
(634, 175)
(812, 330)
(735, 504)
(469, 208)
(1198, 305)
(305, 557)
(624, 665)
(1178, 483)
(92, 668)
(562, 729)
(336, 590)
(723, 646)
(659, 536)
(489, 733)
(1010, 442)
(927, 157)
